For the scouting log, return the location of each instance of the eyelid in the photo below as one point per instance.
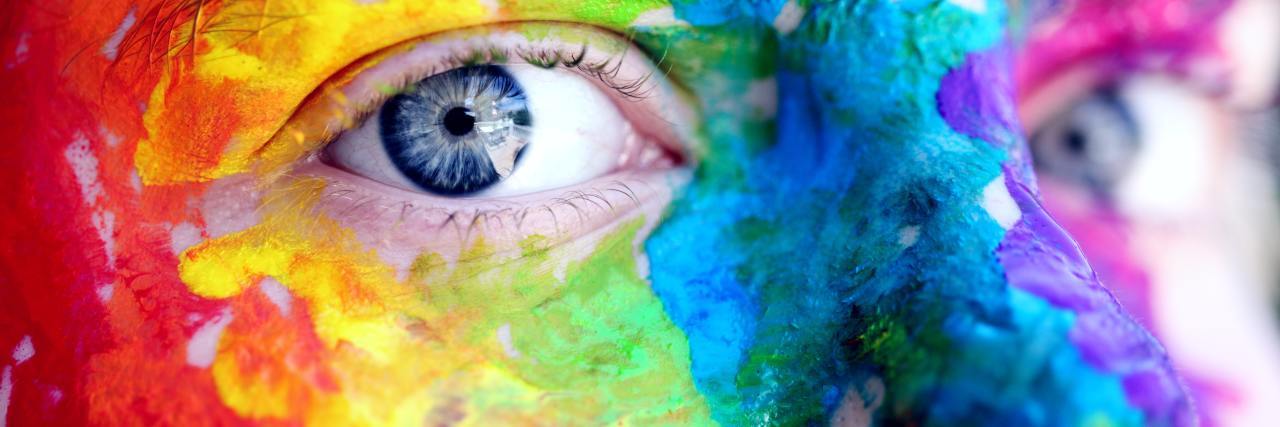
(348, 98)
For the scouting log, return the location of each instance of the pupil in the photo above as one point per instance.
(459, 121)
(1076, 141)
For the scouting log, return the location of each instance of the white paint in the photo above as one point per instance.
(6, 390)
(277, 294)
(975, 6)
(24, 350)
(84, 165)
(203, 346)
(111, 49)
(491, 5)
(504, 338)
(560, 272)
(999, 204)
(859, 404)
(20, 52)
(182, 236)
(908, 236)
(788, 18)
(660, 17)
(105, 224)
(105, 291)
(762, 94)
(135, 181)
(110, 137)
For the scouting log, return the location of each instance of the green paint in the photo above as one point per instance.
(598, 344)
(615, 14)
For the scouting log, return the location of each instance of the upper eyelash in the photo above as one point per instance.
(606, 71)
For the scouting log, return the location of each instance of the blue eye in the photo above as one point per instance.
(510, 128)
(457, 132)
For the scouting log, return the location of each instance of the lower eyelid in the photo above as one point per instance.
(402, 221)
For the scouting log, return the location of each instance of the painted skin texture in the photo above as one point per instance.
(175, 260)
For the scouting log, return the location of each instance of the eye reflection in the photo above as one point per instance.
(509, 116)
(457, 132)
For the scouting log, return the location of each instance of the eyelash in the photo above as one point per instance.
(465, 221)
(605, 71)
(372, 208)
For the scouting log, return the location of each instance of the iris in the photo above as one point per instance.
(1093, 143)
(457, 132)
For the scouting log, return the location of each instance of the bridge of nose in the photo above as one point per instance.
(875, 228)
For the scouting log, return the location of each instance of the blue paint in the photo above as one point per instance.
(784, 262)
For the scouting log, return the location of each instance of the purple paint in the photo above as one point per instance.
(976, 98)
(1040, 258)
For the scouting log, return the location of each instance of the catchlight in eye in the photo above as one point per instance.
(457, 132)
(513, 116)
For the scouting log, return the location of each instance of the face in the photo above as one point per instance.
(1153, 150)
(528, 212)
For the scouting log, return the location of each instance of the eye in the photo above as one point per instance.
(1092, 143)
(1148, 145)
(547, 117)
(457, 132)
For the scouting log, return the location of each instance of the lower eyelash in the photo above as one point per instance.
(582, 204)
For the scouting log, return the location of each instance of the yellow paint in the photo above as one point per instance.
(599, 348)
(256, 81)
(258, 61)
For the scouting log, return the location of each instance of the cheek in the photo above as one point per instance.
(351, 302)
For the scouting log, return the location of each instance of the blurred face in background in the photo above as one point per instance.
(1154, 132)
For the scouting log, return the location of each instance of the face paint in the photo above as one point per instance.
(222, 271)
(1147, 158)
(869, 278)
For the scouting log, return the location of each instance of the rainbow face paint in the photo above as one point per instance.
(813, 212)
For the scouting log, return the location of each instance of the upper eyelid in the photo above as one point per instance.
(329, 110)
(492, 53)
(603, 70)
(346, 99)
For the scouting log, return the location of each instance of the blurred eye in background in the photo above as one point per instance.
(1092, 143)
(1167, 179)
(1146, 145)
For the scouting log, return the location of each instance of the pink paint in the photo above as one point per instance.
(1123, 35)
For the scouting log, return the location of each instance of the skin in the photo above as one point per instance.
(1183, 241)
(183, 257)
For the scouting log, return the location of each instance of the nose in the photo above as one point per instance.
(885, 225)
